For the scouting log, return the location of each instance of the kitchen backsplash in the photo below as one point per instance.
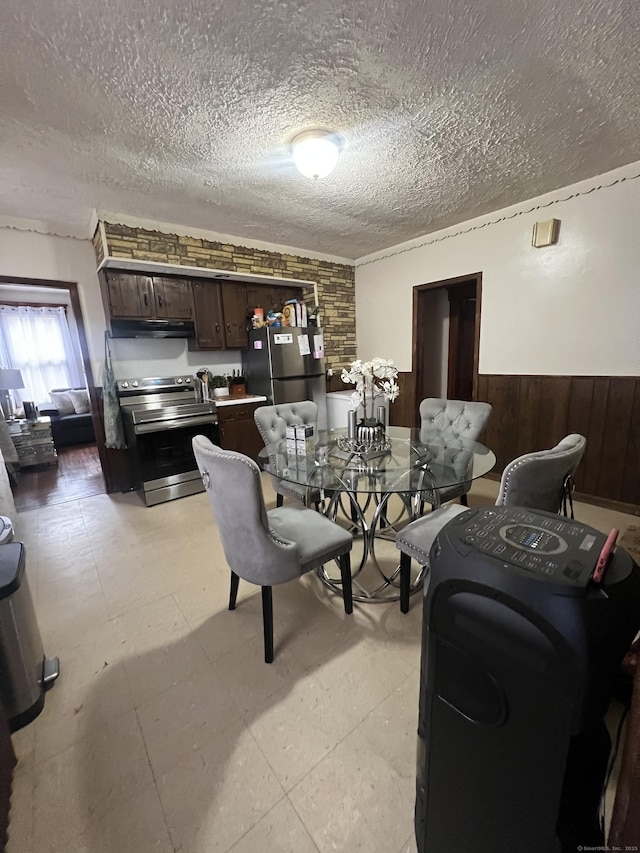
(135, 357)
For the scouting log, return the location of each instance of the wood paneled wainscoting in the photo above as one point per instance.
(404, 410)
(535, 412)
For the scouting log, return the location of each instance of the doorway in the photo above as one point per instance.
(79, 469)
(446, 338)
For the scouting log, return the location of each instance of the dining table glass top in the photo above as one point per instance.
(413, 460)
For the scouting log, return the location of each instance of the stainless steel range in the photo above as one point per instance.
(161, 415)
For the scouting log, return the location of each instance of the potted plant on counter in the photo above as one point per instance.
(220, 386)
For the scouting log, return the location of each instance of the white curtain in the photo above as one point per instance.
(37, 342)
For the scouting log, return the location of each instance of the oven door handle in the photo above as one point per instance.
(159, 426)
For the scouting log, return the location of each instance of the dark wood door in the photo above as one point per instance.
(129, 295)
(446, 338)
(462, 323)
(234, 309)
(173, 298)
(207, 304)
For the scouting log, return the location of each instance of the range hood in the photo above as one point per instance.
(142, 328)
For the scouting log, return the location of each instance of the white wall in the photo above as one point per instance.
(33, 255)
(568, 309)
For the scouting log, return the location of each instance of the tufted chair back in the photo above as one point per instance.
(232, 483)
(538, 480)
(272, 421)
(541, 479)
(454, 418)
(266, 547)
(448, 421)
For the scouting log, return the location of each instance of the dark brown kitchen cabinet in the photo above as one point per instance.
(238, 430)
(262, 296)
(207, 305)
(129, 295)
(267, 296)
(172, 298)
(284, 294)
(234, 311)
(220, 315)
(143, 296)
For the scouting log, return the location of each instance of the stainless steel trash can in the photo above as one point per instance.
(25, 673)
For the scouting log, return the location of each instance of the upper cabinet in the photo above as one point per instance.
(220, 315)
(129, 295)
(268, 296)
(143, 296)
(221, 310)
(173, 298)
(235, 311)
(207, 306)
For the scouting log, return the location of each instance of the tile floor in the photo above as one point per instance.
(167, 732)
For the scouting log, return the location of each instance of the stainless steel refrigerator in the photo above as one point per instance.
(286, 364)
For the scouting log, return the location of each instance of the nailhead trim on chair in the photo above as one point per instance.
(424, 554)
(286, 543)
(527, 460)
(507, 479)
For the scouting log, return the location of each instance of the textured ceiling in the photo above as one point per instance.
(181, 111)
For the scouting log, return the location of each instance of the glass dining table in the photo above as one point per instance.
(376, 492)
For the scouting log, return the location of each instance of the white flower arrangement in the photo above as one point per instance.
(371, 379)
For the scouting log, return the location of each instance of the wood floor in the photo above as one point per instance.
(78, 474)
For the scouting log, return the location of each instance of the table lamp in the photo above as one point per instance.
(9, 380)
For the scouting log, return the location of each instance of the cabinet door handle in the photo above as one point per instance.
(228, 327)
(146, 300)
(160, 300)
(217, 327)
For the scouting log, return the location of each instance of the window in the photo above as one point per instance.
(37, 341)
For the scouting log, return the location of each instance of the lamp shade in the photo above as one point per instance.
(10, 379)
(315, 153)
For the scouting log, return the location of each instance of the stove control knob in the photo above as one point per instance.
(188, 379)
(135, 383)
(124, 385)
(179, 380)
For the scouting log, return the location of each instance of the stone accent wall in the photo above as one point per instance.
(336, 282)
(97, 245)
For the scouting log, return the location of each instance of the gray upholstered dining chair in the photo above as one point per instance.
(266, 547)
(272, 423)
(450, 420)
(540, 480)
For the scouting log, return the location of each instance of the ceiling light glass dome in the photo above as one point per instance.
(315, 153)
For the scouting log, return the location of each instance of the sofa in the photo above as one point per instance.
(70, 423)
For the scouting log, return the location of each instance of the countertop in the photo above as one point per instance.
(235, 399)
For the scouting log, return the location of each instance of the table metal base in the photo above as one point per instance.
(368, 519)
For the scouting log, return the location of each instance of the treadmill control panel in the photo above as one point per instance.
(542, 544)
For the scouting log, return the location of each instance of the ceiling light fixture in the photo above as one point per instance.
(315, 152)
